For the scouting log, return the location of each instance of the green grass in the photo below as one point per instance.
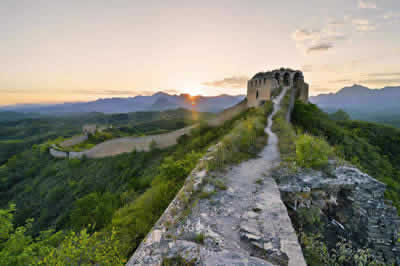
(199, 238)
(177, 261)
(245, 139)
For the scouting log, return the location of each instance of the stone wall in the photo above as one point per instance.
(228, 114)
(128, 144)
(260, 91)
(159, 233)
(58, 154)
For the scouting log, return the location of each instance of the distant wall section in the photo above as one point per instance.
(73, 141)
(128, 144)
(228, 114)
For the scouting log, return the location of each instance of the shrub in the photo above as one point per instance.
(177, 261)
(312, 152)
(199, 238)
(317, 253)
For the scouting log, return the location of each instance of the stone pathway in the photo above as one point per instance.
(248, 223)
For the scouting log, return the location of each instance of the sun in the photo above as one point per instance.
(193, 88)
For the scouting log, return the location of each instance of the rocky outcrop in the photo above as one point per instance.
(351, 204)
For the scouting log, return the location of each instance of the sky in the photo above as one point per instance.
(60, 51)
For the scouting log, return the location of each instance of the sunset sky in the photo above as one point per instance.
(57, 51)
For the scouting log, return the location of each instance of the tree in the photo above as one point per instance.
(339, 115)
(94, 209)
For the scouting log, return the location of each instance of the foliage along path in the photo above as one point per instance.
(239, 219)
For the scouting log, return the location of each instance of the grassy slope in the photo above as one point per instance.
(372, 147)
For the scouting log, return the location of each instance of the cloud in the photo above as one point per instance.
(379, 78)
(304, 34)
(124, 92)
(319, 47)
(336, 22)
(341, 81)
(363, 4)
(380, 82)
(363, 25)
(390, 74)
(306, 68)
(235, 82)
(311, 40)
(391, 15)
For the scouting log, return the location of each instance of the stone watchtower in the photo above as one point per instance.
(263, 84)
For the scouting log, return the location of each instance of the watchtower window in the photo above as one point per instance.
(286, 79)
(278, 78)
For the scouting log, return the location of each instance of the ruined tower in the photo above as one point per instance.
(263, 84)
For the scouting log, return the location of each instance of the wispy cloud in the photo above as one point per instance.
(124, 92)
(381, 82)
(313, 40)
(387, 74)
(319, 47)
(391, 15)
(379, 78)
(235, 82)
(307, 68)
(304, 34)
(341, 81)
(363, 25)
(363, 4)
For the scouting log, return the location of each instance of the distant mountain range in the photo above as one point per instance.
(378, 105)
(358, 96)
(157, 102)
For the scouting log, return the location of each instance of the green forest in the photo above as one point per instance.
(92, 211)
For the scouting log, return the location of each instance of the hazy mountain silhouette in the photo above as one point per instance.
(155, 102)
(362, 103)
(360, 98)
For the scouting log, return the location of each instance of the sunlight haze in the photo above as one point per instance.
(60, 51)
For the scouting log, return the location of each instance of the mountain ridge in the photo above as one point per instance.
(157, 102)
(358, 96)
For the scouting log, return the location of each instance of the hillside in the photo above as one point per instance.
(95, 199)
(256, 189)
(362, 103)
(372, 147)
(17, 136)
(157, 102)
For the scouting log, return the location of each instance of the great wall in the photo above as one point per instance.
(246, 224)
(128, 144)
